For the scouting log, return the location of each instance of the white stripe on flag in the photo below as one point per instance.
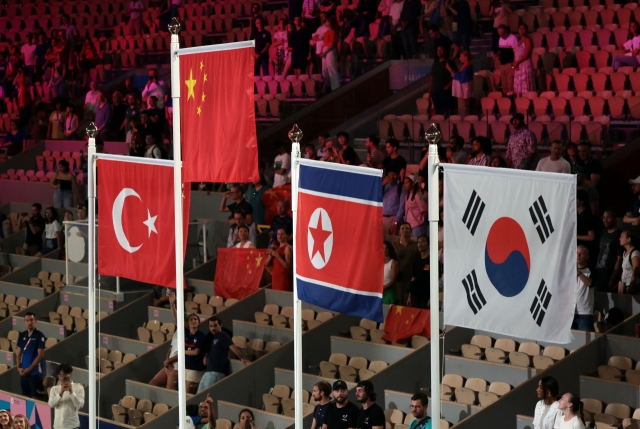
(375, 172)
(339, 288)
(340, 197)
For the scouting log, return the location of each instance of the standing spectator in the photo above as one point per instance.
(263, 41)
(393, 199)
(439, 39)
(135, 17)
(103, 116)
(572, 416)
(591, 167)
(14, 140)
(441, 81)
(253, 195)
(384, 9)
(317, 39)
(586, 225)
(504, 58)
(406, 249)
(255, 14)
(546, 410)
(455, 151)
(153, 88)
(281, 165)
(131, 111)
(421, 419)
(415, 208)
(282, 220)
(66, 398)
(594, 196)
(71, 124)
(57, 82)
(29, 56)
(630, 263)
(29, 353)
(91, 100)
(118, 115)
(554, 163)
(374, 155)
(311, 14)
(371, 416)
(347, 154)
(299, 46)
(234, 237)
(131, 89)
(282, 259)
(147, 127)
(152, 150)
(410, 27)
(216, 349)
(394, 161)
(462, 12)
(571, 155)
(480, 152)
(280, 42)
(609, 260)
(52, 232)
(321, 395)
(391, 271)
(583, 318)
(521, 147)
(330, 73)
(419, 292)
(56, 123)
(35, 227)
(632, 216)
(70, 30)
(632, 49)
(500, 17)
(462, 86)
(328, 8)
(239, 203)
(523, 80)
(23, 97)
(341, 414)
(65, 184)
(395, 13)
(43, 46)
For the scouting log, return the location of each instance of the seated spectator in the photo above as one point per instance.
(322, 142)
(394, 161)
(374, 155)
(246, 419)
(310, 152)
(455, 152)
(253, 195)
(586, 225)
(240, 220)
(391, 271)
(571, 155)
(56, 123)
(281, 165)
(441, 81)
(498, 162)
(330, 152)
(52, 232)
(394, 196)
(205, 419)
(347, 154)
(262, 42)
(14, 140)
(29, 353)
(609, 260)
(282, 220)
(243, 241)
(632, 216)
(591, 167)
(594, 196)
(152, 150)
(65, 184)
(281, 259)
(630, 263)
(462, 86)
(239, 203)
(480, 152)
(419, 288)
(554, 163)
(583, 318)
(521, 147)
(632, 49)
(415, 208)
(71, 124)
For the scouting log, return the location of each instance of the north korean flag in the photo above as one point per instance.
(339, 242)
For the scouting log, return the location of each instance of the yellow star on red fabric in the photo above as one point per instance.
(191, 83)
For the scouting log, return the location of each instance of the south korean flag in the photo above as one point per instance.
(510, 251)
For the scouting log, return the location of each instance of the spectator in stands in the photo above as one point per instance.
(630, 263)
(311, 14)
(330, 152)
(583, 318)
(35, 227)
(240, 219)
(321, 394)
(594, 196)
(322, 141)
(419, 292)
(39, 123)
(52, 232)
(118, 118)
(591, 167)
(28, 50)
(330, 73)
(255, 14)
(571, 155)
(243, 238)
(216, 349)
(395, 13)
(632, 216)
(71, 32)
(55, 130)
(374, 155)
(498, 162)
(410, 26)
(103, 116)
(6, 420)
(299, 46)
(91, 100)
(394, 196)
(134, 138)
(341, 414)
(14, 140)
(462, 85)
(135, 17)
(239, 203)
(480, 152)
(57, 83)
(523, 79)
(167, 377)
(29, 353)
(65, 184)
(281, 165)
(280, 43)
(246, 419)
(193, 343)
(347, 154)
(609, 260)
(152, 150)
(71, 124)
(586, 224)
(554, 163)
(507, 46)
(455, 151)
(391, 271)
(439, 39)
(419, 404)
(632, 49)
(262, 43)
(394, 161)
(441, 81)
(415, 207)
(371, 416)
(206, 418)
(521, 147)
(130, 89)
(253, 195)
(309, 152)
(131, 111)
(42, 47)
(153, 88)
(384, 27)
(282, 260)
(547, 407)
(21, 422)
(406, 249)
(462, 12)
(572, 416)
(66, 398)
(501, 17)
(282, 218)
(317, 41)
(147, 127)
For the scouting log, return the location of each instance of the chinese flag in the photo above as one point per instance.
(270, 201)
(136, 234)
(402, 323)
(238, 272)
(219, 142)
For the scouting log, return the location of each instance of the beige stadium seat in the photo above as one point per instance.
(160, 409)
(607, 372)
(330, 369)
(368, 324)
(464, 395)
(278, 320)
(75, 312)
(287, 312)
(358, 362)
(5, 345)
(223, 424)
(128, 358)
(144, 335)
(144, 405)
(418, 341)
(376, 336)
(207, 310)
(470, 351)
(312, 324)
(136, 417)
(119, 413)
(262, 318)
(217, 301)
(594, 406)
(191, 307)
(168, 329)
(62, 309)
(308, 315)
(271, 309)
(153, 325)
(271, 346)
(348, 373)
(54, 318)
(200, 298)
(619, 411)
(150, 416)
(229, 303)
(623, 363)
(115, 356)
(323, 316)
(106, 366)
(239, 341)
(50, 342)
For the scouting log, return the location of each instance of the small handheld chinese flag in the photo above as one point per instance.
(241, 274)
(402, 323)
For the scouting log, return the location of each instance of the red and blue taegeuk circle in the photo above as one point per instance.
(507, 259)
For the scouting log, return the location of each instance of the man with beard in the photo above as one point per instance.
(371, 416)
(521, 147)
(321, 394)
(341, 414)
(419, 403)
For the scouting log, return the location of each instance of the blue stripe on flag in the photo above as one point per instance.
(341, 183)
(369, 307)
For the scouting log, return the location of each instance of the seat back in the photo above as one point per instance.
(620, 411)
(505, 344)
(476, 384)
(621, 362)
(453, 380)
(338, 358)
(482, 341)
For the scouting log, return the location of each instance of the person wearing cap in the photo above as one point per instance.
(371, 416)
(322, 395)
(521, 148)
(341, 414)
(632, 216)
(419, 403)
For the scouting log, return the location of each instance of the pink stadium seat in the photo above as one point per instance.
(596, 106)
(634, 78)
(558, 106)
(583, 58)
(523, 105)
(540, 106)
(577, 106)
(537, 39)
(616, 107)
(599, 81)
(586, 38)
(601, 59)
(607, 16)
(569, 39)
(553, 39)
(624, 16)
(618, 82)
(604, 37)
(562, 82)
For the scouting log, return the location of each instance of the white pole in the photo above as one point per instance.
(118, 285)
(92, 131)
(204, 241)
(433, 137)
(66, 251)
(296, 135)
(174, 29)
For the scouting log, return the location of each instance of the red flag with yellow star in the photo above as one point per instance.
(270, 201)
(402, 323)
(241, 274)
(218, 124)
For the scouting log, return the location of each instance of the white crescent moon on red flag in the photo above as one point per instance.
(116, 213)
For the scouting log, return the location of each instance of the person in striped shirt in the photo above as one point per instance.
(480, 152)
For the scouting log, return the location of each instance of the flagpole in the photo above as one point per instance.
(296, 135)
(92, 131)
(433, 136)
(174, 29)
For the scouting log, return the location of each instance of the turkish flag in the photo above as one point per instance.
(238, 272)
(219, 142)
(270, 201)
(402, 323)
(136, 234)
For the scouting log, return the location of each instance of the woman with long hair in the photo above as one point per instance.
(280, 43)
(20, 422)
(246, 419)
(523, 80)
(547, 407)
(389, 294)
(415, 208)
(282, 259)
(6, 421)
(572, 408)
(65, 184)
(88, 57)
(462, 85)
(630, 263)
(57, 82)
(406, 249)
(330, 73)
(52, 232)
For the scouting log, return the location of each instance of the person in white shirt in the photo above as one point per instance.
(583, 318)
(29, 55)
(546, 411)
(632, 46)
(572, 416)
(385, 21)
(152, 150)
(153, 88)
(66, 398)
(91, 100)
(317, 40)
(135, 17)
(395, 10)
(281, 165)
(504, 58)
(554, 163)
(243, 236)
(52, 232)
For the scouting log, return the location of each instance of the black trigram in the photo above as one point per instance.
(541, 219)
(474, 295)
(540, 303)
(473, 213)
